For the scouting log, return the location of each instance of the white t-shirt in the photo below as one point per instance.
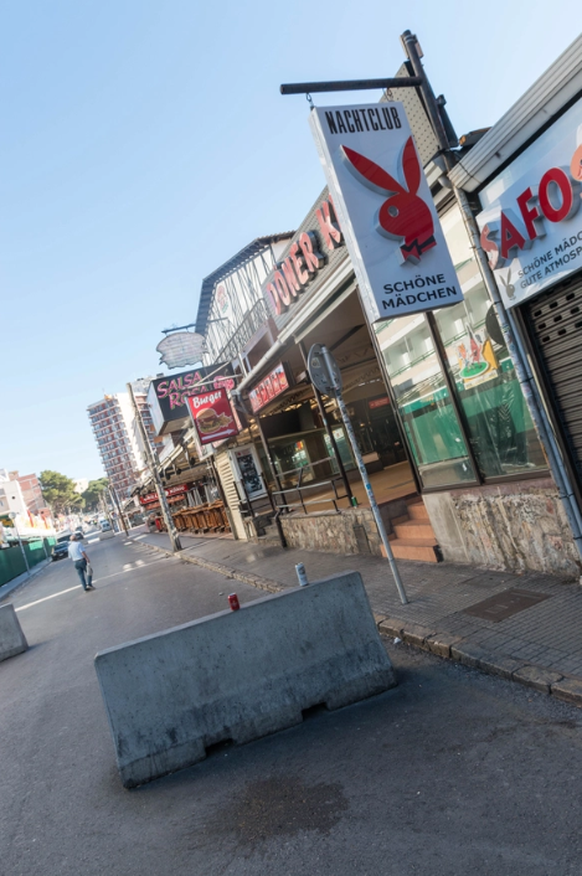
(76, 550)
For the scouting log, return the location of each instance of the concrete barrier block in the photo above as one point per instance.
(12, 639)
(239, 675)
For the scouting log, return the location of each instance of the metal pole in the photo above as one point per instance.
(162, 498)
(21, 546)
(350, 85)
(113, 494)
(364, 475)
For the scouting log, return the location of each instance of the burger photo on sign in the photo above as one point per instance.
(209, 422)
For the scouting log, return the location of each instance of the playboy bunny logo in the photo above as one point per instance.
(403, 215)
(509, 287)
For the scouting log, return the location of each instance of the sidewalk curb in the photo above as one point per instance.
(441, 644)
(563, 687)
(246, 577)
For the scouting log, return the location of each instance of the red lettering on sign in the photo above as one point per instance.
(490, 247)
(282, 290)
(531, 215)
(555, 185)
(330, 230)
(313, 258)
(290, 277)
(511, 239)
(273, 298)
(298, 264)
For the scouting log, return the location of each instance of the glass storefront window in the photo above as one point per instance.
(343, 447)
(500, 428)
(424, 403)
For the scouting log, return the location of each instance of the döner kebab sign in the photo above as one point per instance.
(212, 416)
(385, 209)
(304, 260)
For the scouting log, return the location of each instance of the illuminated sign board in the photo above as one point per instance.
(532, 232)
(305, 259)
(212, 416)
(273, 385)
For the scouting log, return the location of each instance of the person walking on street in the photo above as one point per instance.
(81, 561)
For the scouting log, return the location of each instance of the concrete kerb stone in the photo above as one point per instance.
(539, 679)
(568, 689)
(441, 644)
(388, 626)
(417, 635)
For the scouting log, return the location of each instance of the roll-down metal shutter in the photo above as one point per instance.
(555, 324)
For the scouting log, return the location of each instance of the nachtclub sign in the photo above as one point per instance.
(212, 416)
(385, 209)
(532, 232)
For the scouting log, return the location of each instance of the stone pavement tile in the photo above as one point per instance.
(551, 655)
(569, 665)
(539, 679)
(528, 652)
(536, 655)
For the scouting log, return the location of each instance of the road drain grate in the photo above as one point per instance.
(503, 605)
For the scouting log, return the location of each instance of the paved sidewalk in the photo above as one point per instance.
(539, 645)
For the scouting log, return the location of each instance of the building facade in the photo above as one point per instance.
(437, 400)
(116, 435)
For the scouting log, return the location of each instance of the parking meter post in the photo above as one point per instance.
(331, 368)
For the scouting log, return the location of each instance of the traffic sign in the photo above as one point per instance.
(324, 371)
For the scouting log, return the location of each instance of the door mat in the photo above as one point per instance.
(504, 604)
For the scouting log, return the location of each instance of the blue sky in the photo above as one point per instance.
(144, 143)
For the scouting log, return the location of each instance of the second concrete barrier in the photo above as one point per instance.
(12, 639)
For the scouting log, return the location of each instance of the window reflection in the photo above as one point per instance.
(500, 428)
(432, 428)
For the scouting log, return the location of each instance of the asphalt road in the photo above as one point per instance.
(452, 772)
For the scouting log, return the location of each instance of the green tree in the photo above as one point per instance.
(93, 493)
(59, 492)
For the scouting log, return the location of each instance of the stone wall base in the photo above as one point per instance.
(512, 527)
(349, 531)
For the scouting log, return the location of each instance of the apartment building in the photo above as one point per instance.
(118, 439)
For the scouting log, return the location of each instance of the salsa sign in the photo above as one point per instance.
(385, 209)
